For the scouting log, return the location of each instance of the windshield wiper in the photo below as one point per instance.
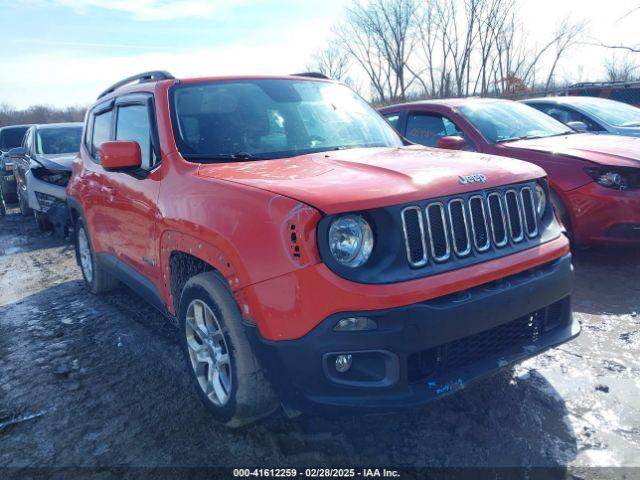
(533, 137)
(221, 157)
(513, 139)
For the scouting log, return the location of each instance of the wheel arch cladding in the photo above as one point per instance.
(182, 267)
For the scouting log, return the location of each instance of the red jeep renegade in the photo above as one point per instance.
(311, 258)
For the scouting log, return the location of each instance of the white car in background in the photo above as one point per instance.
(591, 114)
(42, 168)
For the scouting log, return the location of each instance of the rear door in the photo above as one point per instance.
(96, 183)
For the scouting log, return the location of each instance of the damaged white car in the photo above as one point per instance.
(42, 167)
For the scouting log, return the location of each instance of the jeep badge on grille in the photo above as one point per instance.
(478, 177)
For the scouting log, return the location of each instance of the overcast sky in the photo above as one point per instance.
(64, 52)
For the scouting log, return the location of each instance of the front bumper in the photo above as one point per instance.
(43, 195)
(425, 350)
(604, 216)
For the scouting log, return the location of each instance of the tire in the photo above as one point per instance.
(96, 278)
(25, 211)
(3, 205)
(44, 225)
(249, 396)
(563, 213)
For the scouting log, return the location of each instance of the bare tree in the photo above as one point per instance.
(426, 31)
(39, 114)
(621, 70)
(635, 48)
(439, 48)
(331, 61)
(567, 35)
(380, 37)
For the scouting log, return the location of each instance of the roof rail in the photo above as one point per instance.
(152, 76)
(311, 75)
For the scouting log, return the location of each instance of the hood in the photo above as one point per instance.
(359, 179)
(59, 162)
(614, 150)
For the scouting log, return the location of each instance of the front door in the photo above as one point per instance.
(134, 195)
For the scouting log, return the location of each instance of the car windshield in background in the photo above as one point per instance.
(505, 121)
(53, 141)
(265, 119)
(11, 137)
(615, 113)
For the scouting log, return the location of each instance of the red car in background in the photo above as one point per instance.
(595, 179)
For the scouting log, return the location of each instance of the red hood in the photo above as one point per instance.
(360, 179)
(603, 149)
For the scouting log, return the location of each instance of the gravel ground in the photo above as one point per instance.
(99, 381)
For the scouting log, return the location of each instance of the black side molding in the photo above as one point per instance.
(133, 279)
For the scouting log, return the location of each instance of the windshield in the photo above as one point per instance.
(11, 137)
(504, 121)
(265, 119)
(615, 113)
(53, 141)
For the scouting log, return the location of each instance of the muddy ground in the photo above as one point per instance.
(99, 381)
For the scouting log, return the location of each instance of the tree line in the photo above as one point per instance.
(391, 50)
(39, 114)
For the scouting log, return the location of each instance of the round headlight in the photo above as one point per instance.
(541, 200)
(350, 240)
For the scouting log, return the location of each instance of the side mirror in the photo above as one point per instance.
(452, 143)
(120, 156)
(17, 152)
(578, 126)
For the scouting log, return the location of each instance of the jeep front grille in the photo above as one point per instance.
(468, 225)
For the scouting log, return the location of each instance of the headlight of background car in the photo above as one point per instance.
(350, 240)
(57, 178)
(615, 177)
(541, 200)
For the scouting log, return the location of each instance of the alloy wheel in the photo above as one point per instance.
(84, 252)
(208, 352)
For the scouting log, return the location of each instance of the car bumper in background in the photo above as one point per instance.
(43, 195)
(422, 351)
(604, 216)
(8, 181)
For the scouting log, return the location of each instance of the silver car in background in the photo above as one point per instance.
(42, 168)
(591, 114)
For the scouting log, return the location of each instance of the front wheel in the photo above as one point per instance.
(25, 211)
(228, 378)
(3, 205)
(43, 224)
(563, 214)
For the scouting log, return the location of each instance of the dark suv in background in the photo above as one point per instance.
(10, 137)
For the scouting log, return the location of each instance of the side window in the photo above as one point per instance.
(427, 129)
(133, 125)
(88, 132)
(101, 132)
(26, 141)
(393, 119)
(566, 115)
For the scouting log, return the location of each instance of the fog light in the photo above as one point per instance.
(343, 363)
(355, 324)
